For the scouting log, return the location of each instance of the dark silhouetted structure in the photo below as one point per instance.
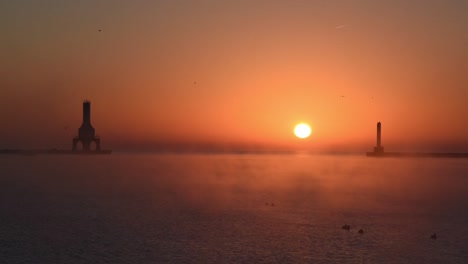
(86, 133)
(379, 148)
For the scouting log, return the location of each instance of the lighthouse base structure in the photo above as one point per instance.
(378, 149)
(86, 143)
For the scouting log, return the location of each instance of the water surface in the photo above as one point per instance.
(168, 208)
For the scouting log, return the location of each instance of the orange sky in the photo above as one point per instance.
(236, 72)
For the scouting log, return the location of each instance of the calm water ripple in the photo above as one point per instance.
(145, 208)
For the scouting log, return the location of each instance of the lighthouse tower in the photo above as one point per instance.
(86, 133)
(379, 148)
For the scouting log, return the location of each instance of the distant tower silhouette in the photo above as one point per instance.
(379, 148)
(86, 132)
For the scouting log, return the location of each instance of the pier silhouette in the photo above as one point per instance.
(379, 150)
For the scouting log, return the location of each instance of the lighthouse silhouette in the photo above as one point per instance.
(379, 148)
(86, 134)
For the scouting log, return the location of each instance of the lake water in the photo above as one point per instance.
(161, 208)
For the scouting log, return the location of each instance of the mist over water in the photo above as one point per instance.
(145, 208)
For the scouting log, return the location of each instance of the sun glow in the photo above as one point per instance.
(302, 130)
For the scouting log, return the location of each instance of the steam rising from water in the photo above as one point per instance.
(219, 208)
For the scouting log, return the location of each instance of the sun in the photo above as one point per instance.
(302, 130)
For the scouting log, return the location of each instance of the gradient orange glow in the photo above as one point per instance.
(236, 73)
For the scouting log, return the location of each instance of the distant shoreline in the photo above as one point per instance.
(31, 152)
(416, 154)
